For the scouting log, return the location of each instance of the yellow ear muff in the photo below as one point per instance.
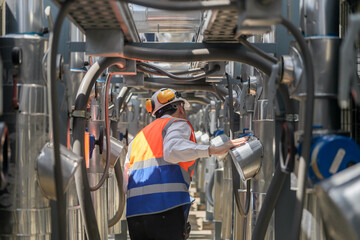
(149, 105)
(165, 96)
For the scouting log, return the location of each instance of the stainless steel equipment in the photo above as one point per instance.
(25, 211)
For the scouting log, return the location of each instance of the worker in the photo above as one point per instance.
(158, 169)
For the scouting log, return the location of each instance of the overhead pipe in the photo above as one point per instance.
(193, 52)
(81, 179)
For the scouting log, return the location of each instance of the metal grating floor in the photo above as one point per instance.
(94, 14)
(222, 27)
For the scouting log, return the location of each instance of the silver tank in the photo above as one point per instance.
(25, 211)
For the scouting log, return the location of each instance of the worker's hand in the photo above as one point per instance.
(227, 146)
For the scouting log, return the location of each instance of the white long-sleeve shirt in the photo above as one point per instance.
(177, 147)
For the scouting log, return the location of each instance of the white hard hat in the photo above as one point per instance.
(162, 98)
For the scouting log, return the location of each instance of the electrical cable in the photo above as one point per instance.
(236, 186)
(306, 145)
(140, 65)
(107, 130)
(185, 5)
(194, 52)
(54, 123)
(257, 50)
(81, 179)
(194, 70)
(153, 72)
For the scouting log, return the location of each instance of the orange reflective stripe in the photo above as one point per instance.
(148, 143)
(140, 149)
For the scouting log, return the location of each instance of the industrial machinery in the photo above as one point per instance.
(75, 76)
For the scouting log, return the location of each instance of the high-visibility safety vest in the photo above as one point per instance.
(156, 185)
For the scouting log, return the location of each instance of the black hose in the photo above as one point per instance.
(269, 203)
(195, 70)
(119, 179)
(107, 131)
(257, 50)
(184, 88)
(81, 179)
(184, 5)
(209, 190)
(197, 52)
(306, 145)
(54, 44)
(162, 72)
(235, 173)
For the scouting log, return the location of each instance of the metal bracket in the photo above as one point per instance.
(272, 84)
(80, 114)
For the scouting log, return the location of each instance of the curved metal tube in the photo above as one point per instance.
(118, 170)
(81, 179)
(107, 131)
(54, 122)
(119, 179)
(196, 52)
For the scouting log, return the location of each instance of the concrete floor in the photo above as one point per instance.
(200, 229)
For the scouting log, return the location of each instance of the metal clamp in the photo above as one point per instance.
(80, 114)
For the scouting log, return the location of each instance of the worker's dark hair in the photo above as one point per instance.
(168, 109)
